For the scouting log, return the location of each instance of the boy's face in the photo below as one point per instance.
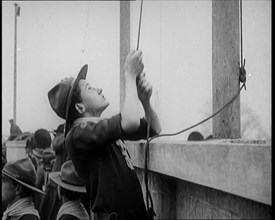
(8, 191)
(92, 98)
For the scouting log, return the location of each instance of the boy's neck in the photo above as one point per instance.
(91, 114)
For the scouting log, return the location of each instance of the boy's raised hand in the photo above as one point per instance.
(133, 63)
(144, 88)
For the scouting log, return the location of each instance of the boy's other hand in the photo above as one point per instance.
(144, 88)
(133, 64)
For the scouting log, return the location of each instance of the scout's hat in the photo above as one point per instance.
(60, 96)
(23, 172)
(68, 178)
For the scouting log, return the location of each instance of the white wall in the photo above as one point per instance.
(57, 38)
(176, 38)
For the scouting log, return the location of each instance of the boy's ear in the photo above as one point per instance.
(80, 108)
(18, 189)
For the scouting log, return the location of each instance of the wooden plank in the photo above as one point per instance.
(124, 43)
(240, 169)
(225, 67)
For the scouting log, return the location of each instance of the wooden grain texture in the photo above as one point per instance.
(124, 43)
(225, 67)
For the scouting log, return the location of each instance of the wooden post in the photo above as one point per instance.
(15, 60)
(124, 44)
(225, 67)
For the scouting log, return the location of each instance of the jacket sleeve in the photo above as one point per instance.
(140, 133)
(90, 136)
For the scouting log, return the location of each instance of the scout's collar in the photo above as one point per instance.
(84, 120)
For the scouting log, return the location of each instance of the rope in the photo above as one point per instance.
(195, 125)
(242, 79)
(241, 30)
(139, 26)
(150, 210)
(84, 41)
(242, 62)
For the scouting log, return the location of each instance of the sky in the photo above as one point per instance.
(55, 39)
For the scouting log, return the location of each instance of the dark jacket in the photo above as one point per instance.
(69, 217)
(28, 217)
(50, 203)
(111, 184)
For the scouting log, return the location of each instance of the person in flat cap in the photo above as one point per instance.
(44, 156)
(50, 203)
(95, 144)
(18, 185)
(42, 138)
(70, 190)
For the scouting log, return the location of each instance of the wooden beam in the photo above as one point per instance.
(15, 62)
(225, 67)
(124, 44)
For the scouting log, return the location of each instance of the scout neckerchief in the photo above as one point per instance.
(21, 207)
(74, 208)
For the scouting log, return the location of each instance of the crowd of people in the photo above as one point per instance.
(85, 171)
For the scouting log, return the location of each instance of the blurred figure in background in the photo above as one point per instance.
(70, 190)
(195, 136)
(18, 185)
(50, 203)
(4, 156)
(44, 155)
(29, 150)
(14, 130)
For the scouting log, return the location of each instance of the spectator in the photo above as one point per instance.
(18, 184)
(42, 138)
(70, 189)
(195, 136)
(44, 156)
(4, 157)
(50, 203)
(14, 130)
(29, 150)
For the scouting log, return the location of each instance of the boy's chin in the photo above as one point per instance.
(105, 106)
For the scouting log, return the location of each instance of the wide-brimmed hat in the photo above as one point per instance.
(42, 138)
(23, 172)
(60, 96)
(68, 178)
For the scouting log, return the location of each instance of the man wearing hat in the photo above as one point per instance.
(44, 156)
(70, 190)
(42, 138)
(50, 203)
(18, 185)
(95, 145)
(42, 142)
